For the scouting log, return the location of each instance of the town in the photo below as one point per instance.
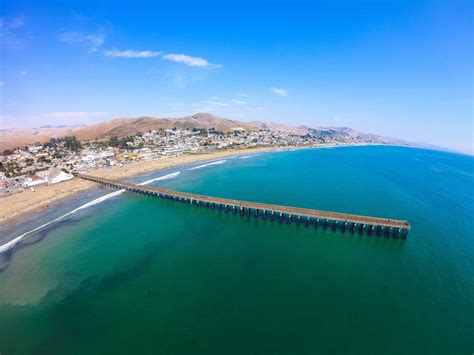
(57, 160)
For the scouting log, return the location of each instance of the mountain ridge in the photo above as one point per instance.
(121, 127)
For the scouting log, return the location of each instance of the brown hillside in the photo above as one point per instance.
(122, 127)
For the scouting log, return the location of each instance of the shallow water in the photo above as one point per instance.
(142, 275)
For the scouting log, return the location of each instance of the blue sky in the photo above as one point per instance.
(399, 68)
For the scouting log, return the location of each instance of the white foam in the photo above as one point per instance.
(98, 200)
(247, 156)
(166, 177)
(208, 164)
(11, 243)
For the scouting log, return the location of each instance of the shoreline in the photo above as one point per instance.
(24, 205)
(67, 196)
(45, 198)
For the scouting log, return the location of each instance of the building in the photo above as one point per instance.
(55, 175)
(35, 180)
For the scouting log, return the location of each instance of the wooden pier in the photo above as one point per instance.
(304, 216)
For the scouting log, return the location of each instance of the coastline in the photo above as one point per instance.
(46, 197)
(26, 204)
(30, 211)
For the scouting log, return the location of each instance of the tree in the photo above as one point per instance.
(113, 142)
(71, 143)
(57, 155)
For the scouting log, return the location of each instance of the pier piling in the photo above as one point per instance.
(370, 225)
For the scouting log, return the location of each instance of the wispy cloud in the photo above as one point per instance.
(279, 92)
(94, 41)
(196, 62)
(1, 83)
(242, 94)
(191, 61)
(130, 53)
(209, 106)
(240, 102)
(23, 73)
(217, 103)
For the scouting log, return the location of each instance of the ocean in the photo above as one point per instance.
(128, 273)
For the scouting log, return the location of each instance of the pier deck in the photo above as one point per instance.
(342, 221)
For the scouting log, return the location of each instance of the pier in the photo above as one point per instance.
(345, 223)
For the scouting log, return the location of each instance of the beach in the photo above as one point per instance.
(16, 206)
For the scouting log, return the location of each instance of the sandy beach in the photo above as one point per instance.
(15, 206)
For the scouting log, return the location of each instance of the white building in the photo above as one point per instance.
(55, 175)
(35, 180)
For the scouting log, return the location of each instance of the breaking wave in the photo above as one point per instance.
(13, 242)
(208, 164)
(165, 177)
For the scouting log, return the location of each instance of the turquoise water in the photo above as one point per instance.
(136, 274)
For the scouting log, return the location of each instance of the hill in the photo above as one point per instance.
(122, 127)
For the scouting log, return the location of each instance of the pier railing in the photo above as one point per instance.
(308, 217)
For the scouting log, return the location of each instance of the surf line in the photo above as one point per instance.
(13, 242)
(208, 164)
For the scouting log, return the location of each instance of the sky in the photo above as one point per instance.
(396, 68)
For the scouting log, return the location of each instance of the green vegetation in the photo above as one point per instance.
(120, 142)
(71, 143)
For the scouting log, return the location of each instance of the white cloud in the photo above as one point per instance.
(240, 102)
(338, 119)
(23, 73)
(259, 108)
(217, 103)
(1, 83)
(242, 94)
(93, 40)
(191, 61)
(130, 53)
(279, 92)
